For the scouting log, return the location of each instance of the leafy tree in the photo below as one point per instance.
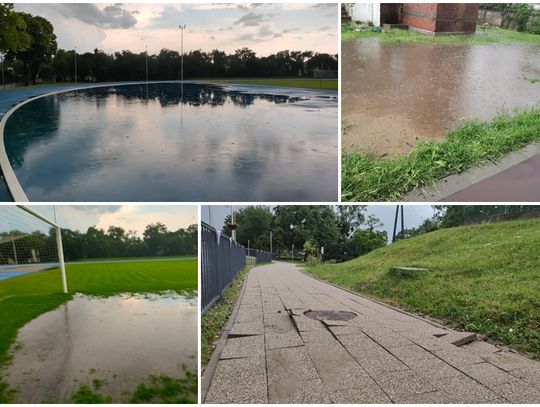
(13, 37)
(366, 240)
(254, 224)
(42, 47)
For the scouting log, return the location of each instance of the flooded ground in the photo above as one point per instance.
(165, 142)
(116, 342)
(396, 94)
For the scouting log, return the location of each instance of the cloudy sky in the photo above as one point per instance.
(265, 28)
(414, 215)
(81, 217)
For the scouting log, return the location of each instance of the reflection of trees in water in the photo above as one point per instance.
(33, 123)
(192, 94)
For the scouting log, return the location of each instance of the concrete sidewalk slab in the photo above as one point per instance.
(381, 355)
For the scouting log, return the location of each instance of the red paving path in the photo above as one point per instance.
(520, 183)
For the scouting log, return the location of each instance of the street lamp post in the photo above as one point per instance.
(182, 28)
(75, 65)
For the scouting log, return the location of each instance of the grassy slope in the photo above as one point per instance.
(492, 35)
(482, 278)
(213, 322)
(368, 178)
(311, 83)
(24, 298)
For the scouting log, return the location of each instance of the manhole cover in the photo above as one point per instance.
(330, 315)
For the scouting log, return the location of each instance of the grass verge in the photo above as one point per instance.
(214, 320)
(305, 83)
(368, 178)
(481, 278)
(491, 35)
(26, 297)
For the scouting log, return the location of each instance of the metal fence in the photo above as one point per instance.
(487, 213)
(221, 261)
(258, 256)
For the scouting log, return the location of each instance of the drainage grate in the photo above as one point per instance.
(330, 315)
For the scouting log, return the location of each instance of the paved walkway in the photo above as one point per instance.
(276, 354)
(515, 178)
(520, 183)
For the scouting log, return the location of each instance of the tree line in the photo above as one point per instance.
(32, 55)
(156, 240)
(343, 231)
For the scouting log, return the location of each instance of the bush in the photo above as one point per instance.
(535, 27)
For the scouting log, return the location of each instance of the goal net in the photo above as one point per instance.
(29, 243)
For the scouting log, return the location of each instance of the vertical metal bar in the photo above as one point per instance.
(14, 252)
(61, 259)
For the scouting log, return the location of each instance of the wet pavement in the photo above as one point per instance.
(515, 178)
(520, 183)
(275, 353)
(396, 94)
(118, 341)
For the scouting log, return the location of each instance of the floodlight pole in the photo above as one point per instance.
(61, 258)
(182, 28)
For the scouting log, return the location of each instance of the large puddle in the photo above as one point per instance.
(116, 342)
(394, 95)
(165, 142)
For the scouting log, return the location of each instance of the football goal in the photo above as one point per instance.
(29, 242)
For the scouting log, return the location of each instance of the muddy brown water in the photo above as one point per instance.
(119, 340)
(396, 94)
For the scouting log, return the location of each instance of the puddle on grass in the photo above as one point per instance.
(395, 94)
(117, 342)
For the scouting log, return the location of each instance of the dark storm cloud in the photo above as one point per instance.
(110, 17)
(324, 5)
(250, 19)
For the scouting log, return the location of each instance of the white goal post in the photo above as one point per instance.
(58, 233)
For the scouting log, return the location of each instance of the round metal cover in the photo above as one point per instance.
(330, 315)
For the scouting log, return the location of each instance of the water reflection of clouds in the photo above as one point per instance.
(121, 146)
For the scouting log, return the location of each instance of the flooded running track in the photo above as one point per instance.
(176, 143)
(396, 94)
(119, 341)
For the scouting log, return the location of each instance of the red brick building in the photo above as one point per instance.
(432, 18)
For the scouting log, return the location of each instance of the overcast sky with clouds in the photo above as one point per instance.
(81, 217)
(265, 28)
(414, 215)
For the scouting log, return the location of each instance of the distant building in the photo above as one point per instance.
(429, 18)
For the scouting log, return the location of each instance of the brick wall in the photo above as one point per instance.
(441, 17)
(420, 15)
(457, 17)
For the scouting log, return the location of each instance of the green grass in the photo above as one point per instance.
(481, 278)
(492, 35)
(155, 389)
(26, 297)
(305, 83)
(165, 389)
(186, 256)
(214, 320)
(368, 178)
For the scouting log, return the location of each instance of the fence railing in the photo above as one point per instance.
(221, 261)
